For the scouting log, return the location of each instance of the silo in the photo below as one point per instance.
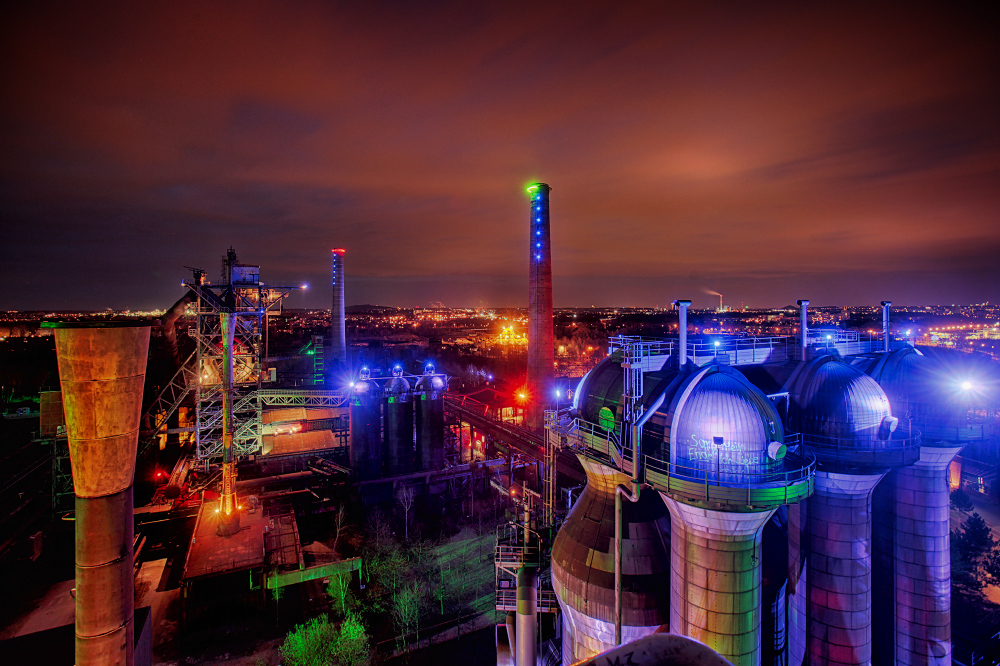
(844, 419)
(366, 429)
(583, 554)
(398, 431)
(583, 566)
(912, 605)
(428, 399)
(728, 475)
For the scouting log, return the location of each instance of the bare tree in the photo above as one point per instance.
(338, 526)
(406, 602)
(338, 588)
(406, 498)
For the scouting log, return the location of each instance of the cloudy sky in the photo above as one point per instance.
(843, 152)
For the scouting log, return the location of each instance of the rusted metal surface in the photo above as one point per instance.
(101, 371)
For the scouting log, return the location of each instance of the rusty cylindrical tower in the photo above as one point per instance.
(541, 354)
(102, 368)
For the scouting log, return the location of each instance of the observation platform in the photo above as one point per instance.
(211, 555)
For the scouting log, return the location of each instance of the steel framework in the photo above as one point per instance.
(242, 295)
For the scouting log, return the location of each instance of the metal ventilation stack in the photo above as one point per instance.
(541, 338)
(843, 418)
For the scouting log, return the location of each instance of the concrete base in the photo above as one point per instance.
(715, 581)
(831, 624)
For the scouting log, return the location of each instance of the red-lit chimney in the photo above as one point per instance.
(338, 327)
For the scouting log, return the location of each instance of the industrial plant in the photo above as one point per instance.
(779, 501)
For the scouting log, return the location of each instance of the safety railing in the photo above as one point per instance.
(753, 490)
(545, 601)
(935, 435)
(864, 450)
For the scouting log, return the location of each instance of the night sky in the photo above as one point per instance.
(834, 151)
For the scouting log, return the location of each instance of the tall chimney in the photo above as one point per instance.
(804, 326)
(102, 368)
(338, 326)
(682, 332)
(885, 324)
(540, 335)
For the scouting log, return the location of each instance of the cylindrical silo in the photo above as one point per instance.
(583, 566)
(912, 606)
(428, 406)
(366, 429)
(725, 433)
(397, 432)
(844, 419)
(102, 369)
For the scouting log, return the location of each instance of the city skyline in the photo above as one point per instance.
(837, 153)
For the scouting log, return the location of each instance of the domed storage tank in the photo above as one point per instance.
(727, 454)
(583, 557)
(397, 432)
(912, 544)
(843, 417)
(429, 411)
(366, 429)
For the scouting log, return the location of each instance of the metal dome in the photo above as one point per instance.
(724, 423)
(834, 400)
(397, 385)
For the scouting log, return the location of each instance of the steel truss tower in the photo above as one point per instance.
(241, 295)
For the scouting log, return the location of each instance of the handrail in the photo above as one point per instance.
(762, 479)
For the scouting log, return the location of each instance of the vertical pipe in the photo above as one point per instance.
(540, 334)
(621, 491)
(229, 522)
(102, 368)
(682, 332)
(885, 325)
(512, 635)
(527, 615)
(804, 326)
(338, 325)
